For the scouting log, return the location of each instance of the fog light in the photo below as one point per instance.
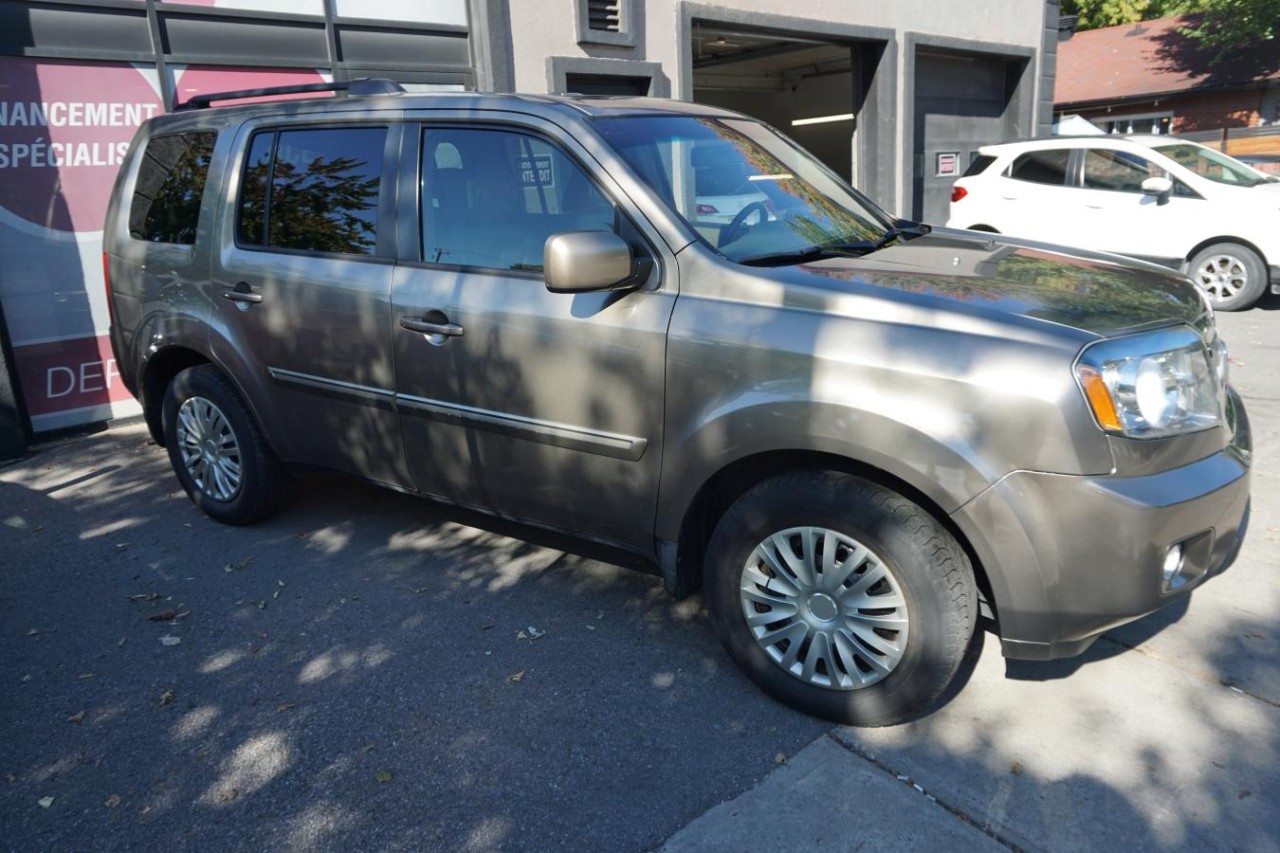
(1172, 568)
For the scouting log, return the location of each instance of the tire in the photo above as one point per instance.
(205, 419)
(911, 562)
(1231, 275)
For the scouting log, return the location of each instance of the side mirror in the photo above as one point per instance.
(586, 261)
(1158, 187)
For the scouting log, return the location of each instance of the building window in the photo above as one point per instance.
(169, 188)
(606, 22)
(1160, 123)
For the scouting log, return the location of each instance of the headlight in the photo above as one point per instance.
(1154, 385)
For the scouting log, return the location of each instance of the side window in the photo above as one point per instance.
(1121, 171)
(1105, 169)
(312, 190)
(978, 164)
(1042, 167)
(491, 198)
(166, 199)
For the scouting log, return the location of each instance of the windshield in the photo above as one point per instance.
(747, 191)
(1209, 164)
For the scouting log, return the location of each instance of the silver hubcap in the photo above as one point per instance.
(209, 448)
(1222, 276)
(824, 608)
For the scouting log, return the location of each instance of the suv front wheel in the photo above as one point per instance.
(217, 450)
(840, 597)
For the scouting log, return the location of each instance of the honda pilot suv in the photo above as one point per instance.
(856, 434)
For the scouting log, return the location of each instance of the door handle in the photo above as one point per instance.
(241, 293)
(414, 324)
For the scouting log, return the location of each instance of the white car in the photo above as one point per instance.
(1156, 198)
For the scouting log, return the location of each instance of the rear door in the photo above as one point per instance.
(301, 290)
(1033, 198)
(540, 406)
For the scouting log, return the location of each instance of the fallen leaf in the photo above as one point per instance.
(1016, 768)
(285, 706)
(170, 640)
(599, 614)
(418, 590)
(123, 640)
(1255, 636)
(120, 546)
(301, 535)
(516, 676)
(112, 801)
(76, 718)
(10, 777)
(85, 675)
(163, 616)
(590, 627)
(45, 802)
(166, 697)
(383, 776)
(238, 567)
(780, 758)
(31, 632)
(228, 795)
(486, 626)
(1244, 793)
(146, 596)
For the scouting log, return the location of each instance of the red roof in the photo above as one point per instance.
(1153, 58)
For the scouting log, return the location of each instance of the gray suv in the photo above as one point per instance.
(858, 435)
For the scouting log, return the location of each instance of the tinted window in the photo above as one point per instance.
(491, 198)
(313, 190)
(1121, 171)
(1042, 167)
(978, 164)
(166, 197)
(253, 190)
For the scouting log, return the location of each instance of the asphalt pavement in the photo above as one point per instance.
(369, 670)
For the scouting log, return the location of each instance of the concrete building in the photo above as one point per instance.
(893, 96)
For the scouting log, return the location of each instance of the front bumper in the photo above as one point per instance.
(1070, 557)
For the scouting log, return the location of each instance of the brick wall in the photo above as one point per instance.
(1238, 108)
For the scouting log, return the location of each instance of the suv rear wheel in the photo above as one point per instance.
(840, 597)
(217, 450)
(1232, 275)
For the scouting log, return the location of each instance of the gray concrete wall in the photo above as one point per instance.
(540, 31)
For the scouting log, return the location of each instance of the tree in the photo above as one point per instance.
(1226, 25)
(1095, 14)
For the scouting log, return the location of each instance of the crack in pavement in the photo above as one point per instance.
(857, 749)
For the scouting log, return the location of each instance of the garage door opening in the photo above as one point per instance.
(811, 88)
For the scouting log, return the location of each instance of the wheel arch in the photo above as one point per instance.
(682, 564)
(1239, 241)
(158, 372)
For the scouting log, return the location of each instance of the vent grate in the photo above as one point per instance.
(604, 15)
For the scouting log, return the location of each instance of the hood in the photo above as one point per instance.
(1103, 295)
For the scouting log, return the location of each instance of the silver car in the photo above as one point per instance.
(858, 435)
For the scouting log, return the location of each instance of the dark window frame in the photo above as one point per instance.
(384, 231)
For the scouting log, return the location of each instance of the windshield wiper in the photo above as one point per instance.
(804, 255)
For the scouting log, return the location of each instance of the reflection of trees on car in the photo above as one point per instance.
(324, 206)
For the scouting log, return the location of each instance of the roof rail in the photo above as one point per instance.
(363, 86)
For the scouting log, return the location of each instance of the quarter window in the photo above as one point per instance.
(170, 185)
(1042, 167)
(313, 190)
(491, 198)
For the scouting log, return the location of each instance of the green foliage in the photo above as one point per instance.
(1095, 14)
(1230, 24)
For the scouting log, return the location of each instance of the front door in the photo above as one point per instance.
(539, 406)
(301, 294)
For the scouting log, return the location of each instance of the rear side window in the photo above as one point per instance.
(1042, 167)
(166, 197)
(312, 190)
(978, 164)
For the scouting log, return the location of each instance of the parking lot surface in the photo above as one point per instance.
(370, 670)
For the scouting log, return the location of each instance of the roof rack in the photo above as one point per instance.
(363, 86)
